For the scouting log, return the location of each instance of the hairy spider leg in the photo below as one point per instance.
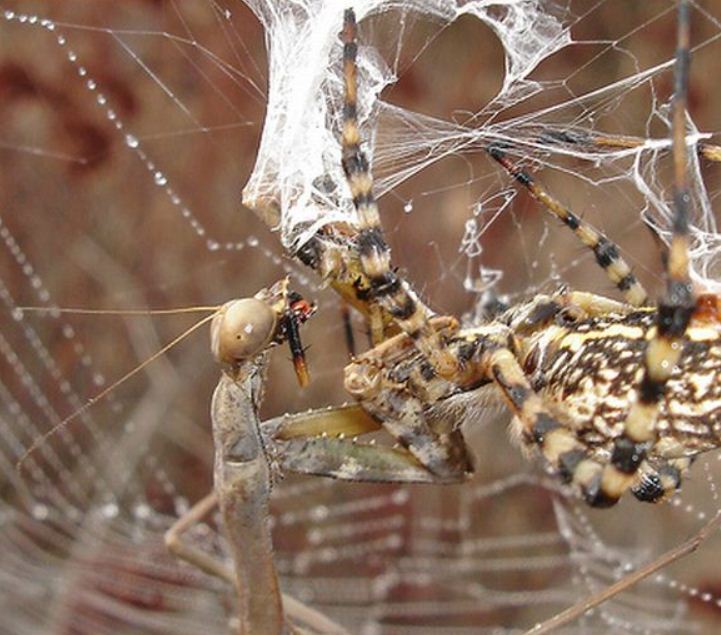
(322, 442)
(387, 288)
(498, 362)
(705, 150)
(605, 250)
(675, 308)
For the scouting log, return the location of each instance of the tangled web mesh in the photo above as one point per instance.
(299, 152)
(127, 135)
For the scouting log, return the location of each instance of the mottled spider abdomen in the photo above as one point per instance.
(590, 370)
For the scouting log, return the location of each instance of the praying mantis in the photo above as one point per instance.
(242, 332)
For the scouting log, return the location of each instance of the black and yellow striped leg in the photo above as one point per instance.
(386, 288)
(537, 425)
(606, 251)
(676, 307)
(595, 141)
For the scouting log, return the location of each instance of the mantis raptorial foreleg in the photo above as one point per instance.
(323, 443)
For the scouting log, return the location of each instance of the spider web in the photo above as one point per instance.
(130, 135)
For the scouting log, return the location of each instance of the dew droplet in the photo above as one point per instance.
(400, 497)
(142, 511)
(109, 510)
(181, 505)
(40, 511)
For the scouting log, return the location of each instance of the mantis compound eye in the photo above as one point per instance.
(242, 329)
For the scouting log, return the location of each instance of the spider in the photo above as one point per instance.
(615, 395)
(242, 333)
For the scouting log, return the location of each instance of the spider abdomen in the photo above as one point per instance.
(591, 371)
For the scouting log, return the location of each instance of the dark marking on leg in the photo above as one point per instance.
(371, 241)
(676, 309)
(627, 455)
(517, 393)
(387, 284)
(427, 371)
(596, 497)
(309, 253)
(572, 221)
(364, 199)
(542, 313)
(542, 426)
(567, 464)
(405, 310)
(466, 351)
(650, 390)
(625, 283)
(354, 161)
(350, 111)
(606, 252)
